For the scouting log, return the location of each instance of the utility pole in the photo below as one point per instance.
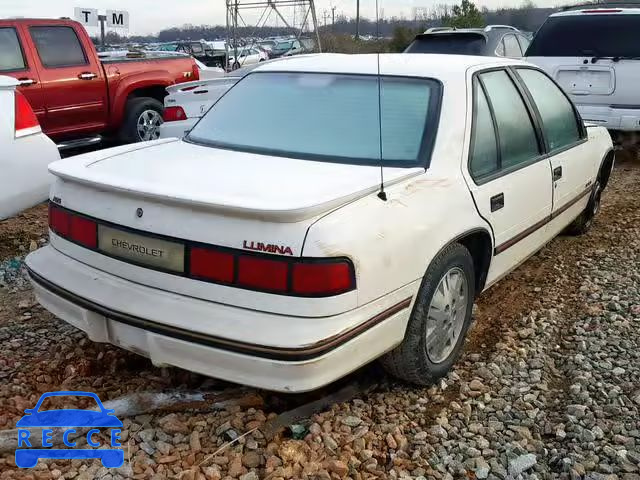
(357, 19)
(333, 18)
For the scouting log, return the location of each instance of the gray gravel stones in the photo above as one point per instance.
(547, 386)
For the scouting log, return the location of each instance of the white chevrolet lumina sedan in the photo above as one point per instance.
(327, 211)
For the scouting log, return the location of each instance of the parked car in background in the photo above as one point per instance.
(246, 56)
(277, 259)
(593, 53)
(26, 153)
(76, 96)
(491, 41)
(185, 104)
(286, 48)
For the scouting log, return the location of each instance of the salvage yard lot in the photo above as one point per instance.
(547, 386)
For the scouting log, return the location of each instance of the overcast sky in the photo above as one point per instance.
(150, 16)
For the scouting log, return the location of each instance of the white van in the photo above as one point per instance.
(594, 54)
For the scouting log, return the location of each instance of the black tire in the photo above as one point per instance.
(409, 361)
(584, 222)
(136, 107)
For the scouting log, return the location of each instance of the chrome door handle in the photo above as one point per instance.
(25, 82)
(87, 76)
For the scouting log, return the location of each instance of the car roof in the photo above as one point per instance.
(403, 64)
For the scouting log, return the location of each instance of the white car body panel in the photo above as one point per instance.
(320, 210)
(196, 99)
(604, 92)
(24, 179)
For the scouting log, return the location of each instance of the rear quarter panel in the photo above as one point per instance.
(125, 77)
(24, 179)
(392, 243)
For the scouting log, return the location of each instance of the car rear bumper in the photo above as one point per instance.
(177, 129)
(96, 302)
(613, 117)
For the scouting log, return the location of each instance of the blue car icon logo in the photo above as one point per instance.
(68, 423)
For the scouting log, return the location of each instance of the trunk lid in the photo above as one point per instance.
(196, 98)
(269, 188)
(165, 195)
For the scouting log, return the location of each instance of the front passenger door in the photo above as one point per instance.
(511, 177)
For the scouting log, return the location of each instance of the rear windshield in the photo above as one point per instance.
(326, 117)
(614, 35)
(451, 43)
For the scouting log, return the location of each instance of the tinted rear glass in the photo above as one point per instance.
(342, 122)
(451, 43)
(614, 35)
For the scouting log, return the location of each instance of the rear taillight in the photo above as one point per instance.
(326, 278)
(174, 114)
(195, 72)
(261, 273)
(211, 264)
(26, 122)
(272, 273)
(284, 275)
(73, 227)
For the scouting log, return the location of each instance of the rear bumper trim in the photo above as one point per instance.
(274, 353)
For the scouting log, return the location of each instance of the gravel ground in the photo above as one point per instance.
(547, 387)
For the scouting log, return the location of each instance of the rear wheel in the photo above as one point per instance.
(584, 222)
(142, 120)
(439, 322)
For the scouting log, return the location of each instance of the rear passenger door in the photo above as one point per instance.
(510, 175)
(565, 141)
(14, 62)
(72, 81)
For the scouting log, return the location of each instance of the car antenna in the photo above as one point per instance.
(382, 195)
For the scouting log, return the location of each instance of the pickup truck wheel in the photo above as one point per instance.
(584, 222)
(439, 322)
(142, 120)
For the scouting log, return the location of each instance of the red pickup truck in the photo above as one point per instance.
(80, 98)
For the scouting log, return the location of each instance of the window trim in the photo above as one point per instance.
(475, 82)
(582, 131)
(35, 46)
(481, 180)
(24, 57)
(517, 43)
(427, 145)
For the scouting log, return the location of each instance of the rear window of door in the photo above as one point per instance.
(58, 46)
(11, 57)
(517, 138)
(484, 145)
(612, 35)
(511, 46)
(559, 121)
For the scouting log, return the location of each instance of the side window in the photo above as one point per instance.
(484, 146)
(511, 46)
(500, 49)
(58, 46)
(518, 143)
(11, 58)
(524, 43)
(559, 120)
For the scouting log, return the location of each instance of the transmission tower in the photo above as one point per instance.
(301, 14)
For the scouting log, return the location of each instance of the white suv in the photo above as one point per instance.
(594, 54)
